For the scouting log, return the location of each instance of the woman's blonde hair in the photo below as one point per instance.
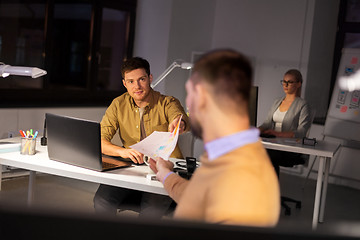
(298, 77)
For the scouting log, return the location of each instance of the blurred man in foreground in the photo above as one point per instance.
(236, 182)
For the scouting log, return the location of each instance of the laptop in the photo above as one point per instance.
(77, 141)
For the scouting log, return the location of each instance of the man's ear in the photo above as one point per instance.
(201, 96)
(151, 78)
(124, 83)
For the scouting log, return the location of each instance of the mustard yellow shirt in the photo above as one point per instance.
(123, 114)
(240, 187)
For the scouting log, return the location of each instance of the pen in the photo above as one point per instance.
(22, 133)
(36, 133)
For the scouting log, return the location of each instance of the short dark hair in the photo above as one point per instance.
(135, 63)
(228, 72)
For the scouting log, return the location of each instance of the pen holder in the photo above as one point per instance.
(28, 146)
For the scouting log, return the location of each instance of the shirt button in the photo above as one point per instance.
(136, 110)
(137, 126)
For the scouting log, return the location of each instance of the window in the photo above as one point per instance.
(81, 44)
(113, 36)
(22, 41)
(69, 39)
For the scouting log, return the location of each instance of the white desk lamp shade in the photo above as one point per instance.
(6, 70)
(186, 65)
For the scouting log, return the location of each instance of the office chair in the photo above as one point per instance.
(286, 159)
(299, 160)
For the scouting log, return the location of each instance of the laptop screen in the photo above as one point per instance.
(74, 141)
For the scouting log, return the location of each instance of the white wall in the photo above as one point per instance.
(191, 31)
(275, 35)
(271, 33)
(152, 32)
(12, 120)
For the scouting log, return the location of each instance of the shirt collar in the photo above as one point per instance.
(221, 146)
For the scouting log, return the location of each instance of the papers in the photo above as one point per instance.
(9, 147)
(158, 144)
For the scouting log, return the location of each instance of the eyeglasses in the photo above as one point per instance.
(283, 82)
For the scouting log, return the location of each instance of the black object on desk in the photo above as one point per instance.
(309, 141)
(190, 164)
(264, 135)
(186, 168)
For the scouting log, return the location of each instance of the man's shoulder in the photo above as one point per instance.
(120, 102)
(162, 98)
(122, 98)
(248, 151)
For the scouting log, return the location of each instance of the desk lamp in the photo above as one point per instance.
(6, 70)
(175, 64)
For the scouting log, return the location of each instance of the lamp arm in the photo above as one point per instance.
(165, 73)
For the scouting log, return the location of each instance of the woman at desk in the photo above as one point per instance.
(289, 117)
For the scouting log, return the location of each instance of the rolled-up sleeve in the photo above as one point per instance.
(174, 109)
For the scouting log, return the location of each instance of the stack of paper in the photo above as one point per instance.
(9, 147)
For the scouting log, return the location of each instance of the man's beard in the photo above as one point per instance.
(196, 129)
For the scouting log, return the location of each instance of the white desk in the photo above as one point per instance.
(133, 177)
(325, 151)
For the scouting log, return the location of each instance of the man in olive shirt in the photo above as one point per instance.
(136, 114)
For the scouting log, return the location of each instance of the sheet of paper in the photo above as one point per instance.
(158, 144)
(9, 147)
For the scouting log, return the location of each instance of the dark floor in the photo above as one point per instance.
(342, 203)
(60, 193)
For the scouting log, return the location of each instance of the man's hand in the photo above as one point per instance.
(173, 124)
(161, 167)
(134, 155)
(110, 149)
(270, 132)
(279, 134)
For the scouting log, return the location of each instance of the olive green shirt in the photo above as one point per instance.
(123, 114)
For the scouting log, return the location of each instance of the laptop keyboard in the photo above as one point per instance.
(106, 165)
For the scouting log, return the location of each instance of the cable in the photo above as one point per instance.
(44, 138)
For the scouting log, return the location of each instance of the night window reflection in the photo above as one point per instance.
(80, 43)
